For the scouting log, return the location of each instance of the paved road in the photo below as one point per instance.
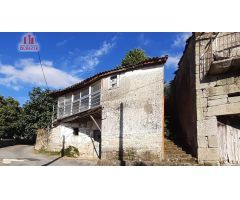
(24, 155)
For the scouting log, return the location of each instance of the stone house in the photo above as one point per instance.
(115, 114)
(207, 89)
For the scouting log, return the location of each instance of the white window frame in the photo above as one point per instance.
(109, 82)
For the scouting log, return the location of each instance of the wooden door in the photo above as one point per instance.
(229, 143)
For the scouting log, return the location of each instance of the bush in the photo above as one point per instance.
(71, 151)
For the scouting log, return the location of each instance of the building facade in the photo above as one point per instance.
(116, 114)
(207, 86)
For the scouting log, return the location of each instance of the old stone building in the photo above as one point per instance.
(207, 89)
(116, 114)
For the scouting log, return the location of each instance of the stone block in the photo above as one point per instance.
(208, 154)
(207, 127)
(226, 109)
(227, 81)
(199, 94)
(202, 102)
(218, 97)
(200, 113)
(217, 102)
(213, 141)
(205, 85)
(221, 90)
(202, 141)
(234, 99)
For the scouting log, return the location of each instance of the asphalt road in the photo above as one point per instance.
(24, 155)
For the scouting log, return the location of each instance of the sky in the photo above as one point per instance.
(71, 57)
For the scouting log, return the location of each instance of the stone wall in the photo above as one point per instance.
(133, 116)
(213, 99)
(201, 99)
(185, 98)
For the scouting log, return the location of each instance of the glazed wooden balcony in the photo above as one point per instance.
(78, 102)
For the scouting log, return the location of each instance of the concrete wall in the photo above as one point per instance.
(185, 99)
(135, 129)
(213, 100)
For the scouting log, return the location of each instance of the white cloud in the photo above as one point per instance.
(143, 40)
(64, 42)
(172, 61)
(26, 71)
(181, 39)
(61, 43)
(80, 62)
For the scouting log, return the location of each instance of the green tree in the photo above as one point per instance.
(9, 118)
(36, 113)
(134, 56)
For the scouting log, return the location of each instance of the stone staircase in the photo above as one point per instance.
(176, 156)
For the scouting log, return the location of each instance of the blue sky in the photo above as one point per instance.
(71, 57)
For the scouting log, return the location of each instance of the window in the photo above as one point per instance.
(76, 102)
(84, 100)
(60, 107)
(95, 94)
(75, 131)
(67, 105)
(113, 82)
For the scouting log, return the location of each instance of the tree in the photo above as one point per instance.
(9, 118)
(134, 56)
(36, 113)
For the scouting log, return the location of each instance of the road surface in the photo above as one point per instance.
(24, 155)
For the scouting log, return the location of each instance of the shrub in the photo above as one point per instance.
(71, 151)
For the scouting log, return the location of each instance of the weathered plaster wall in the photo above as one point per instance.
(88, 148)
(185, 98)
(213, 100)
(139, 122)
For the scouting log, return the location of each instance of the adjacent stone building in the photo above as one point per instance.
(207, 94)
(116, 114)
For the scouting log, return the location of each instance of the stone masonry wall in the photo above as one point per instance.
(213, 100)
(185, 98)
(136, 127)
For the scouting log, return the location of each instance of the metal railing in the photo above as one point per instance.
(82, 104)
(220, 47)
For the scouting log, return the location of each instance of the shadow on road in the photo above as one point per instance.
(49, 163)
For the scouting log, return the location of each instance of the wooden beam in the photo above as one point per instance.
(96, 123)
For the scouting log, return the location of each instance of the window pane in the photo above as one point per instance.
(113, 77)
(68, 109)
(75, 107)
(76, 96)
(60, 100)
(95, 99)
(84, 103)
(68, 99)
(113, 81)
(95, 87)
(85, 92)
(60, 112)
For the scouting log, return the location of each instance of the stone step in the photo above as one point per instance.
(175, 155)
(191, 160)
(178, 156)
(174, 151)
